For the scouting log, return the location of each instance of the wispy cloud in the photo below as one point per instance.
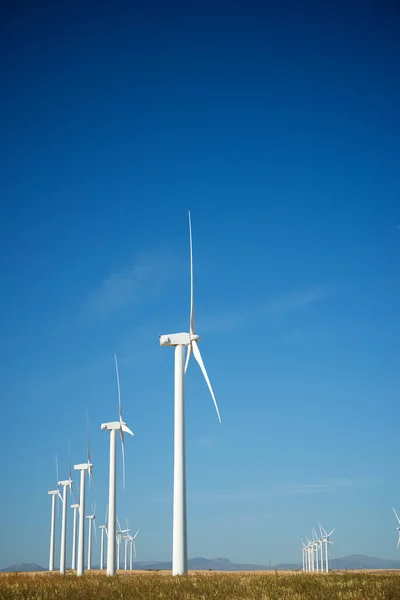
(297, 299)
(292, 301)
(132, 284)
(279, 491)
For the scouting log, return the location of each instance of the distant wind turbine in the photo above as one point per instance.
(91, 518)
(53, 494)
(64, 484)
(179, 341)
(325, 539)
(103, 529)
(113, 427)
(132, 545)
(73, 561)
(83, 467)
(398, 528)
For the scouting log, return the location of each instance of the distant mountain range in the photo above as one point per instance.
(352, 562)
(23, 568)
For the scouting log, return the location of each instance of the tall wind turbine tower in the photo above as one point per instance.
(73, 560)
(91, 519)
(398, 528)
(103, 529)
(113, 427)
(53, 494)
(179, 341)
(64, 484)
(83, 467)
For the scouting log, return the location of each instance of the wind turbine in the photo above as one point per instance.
(91, 518)
(119, 536)
(397, 528)
(132, 545)
(310, 553)
(64, 484)
(53, 494)
(73, 561)
(113, 427)
(316, 543)
(83, 467)
(126, 545)
(103, 529)
(179, 341)
(303, 554)
(326, 540)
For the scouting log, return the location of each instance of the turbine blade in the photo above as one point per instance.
(105, 520)
(197, 355)
(126, 429)
(57, 471)
(134, 537)
(191, 279)
(397, 516)
(398, 541)
(189, 352)
(119, 524)
(90, 476)
(331, 532)
(94, 527)
(69, 459)
(134, 547)
(119, 390)
(123, 456)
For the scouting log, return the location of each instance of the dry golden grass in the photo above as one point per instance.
(144, 585)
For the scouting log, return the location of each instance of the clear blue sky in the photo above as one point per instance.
(278, 125)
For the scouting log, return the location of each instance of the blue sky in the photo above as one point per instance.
(278, 126)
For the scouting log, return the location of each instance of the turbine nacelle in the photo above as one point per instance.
(74, 505)
(178, 339)
(53, 492)
(65, 482)
(83, 466)
(116, 425)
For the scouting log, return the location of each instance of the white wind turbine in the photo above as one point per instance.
(179, 341)
(304, 555)
(127, 530)
(103, 529)
(91, 518)
(325, 539)
(73, 561)
(310, 556)
(132, 545)
(398, 528)
(64, 484)
(113, 427)
(53, 494)
(316, 544)
(83, 467)
(118, 538)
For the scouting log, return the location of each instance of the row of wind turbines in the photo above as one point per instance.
(313, 552)
(109, 528)
(179, 538)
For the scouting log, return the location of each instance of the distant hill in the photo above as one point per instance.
(351, 562)
(201, 564)
(23, 568)
(360, 561)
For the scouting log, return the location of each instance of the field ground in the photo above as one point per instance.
(144, 585)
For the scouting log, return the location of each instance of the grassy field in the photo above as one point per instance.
(202, 586)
